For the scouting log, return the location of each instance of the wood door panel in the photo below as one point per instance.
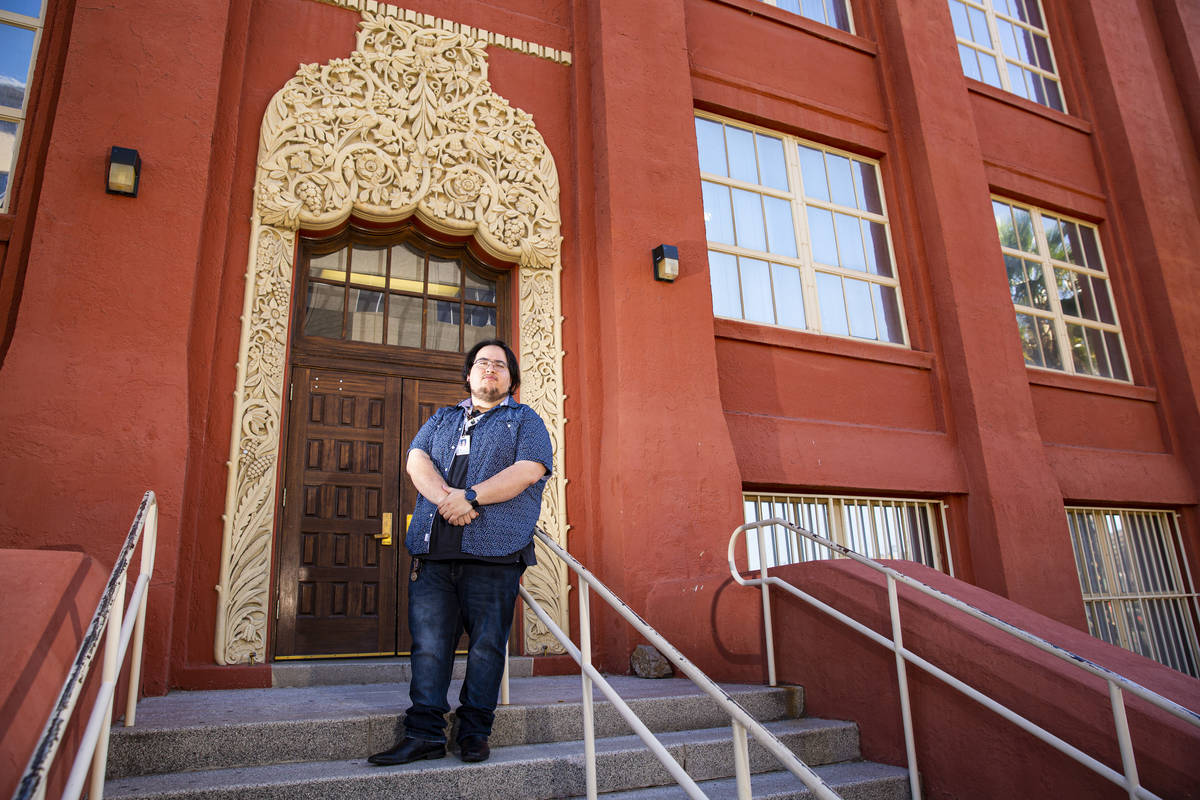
(337, 584)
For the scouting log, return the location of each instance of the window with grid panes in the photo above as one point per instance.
(1059, 287)
(20, 32)
(835, 13)
(400, 295)
(1005, 43)
(1137, 589)
(797, 234)
(875, 527)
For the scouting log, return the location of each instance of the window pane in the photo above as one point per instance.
(364, 313)
(1071, 243)
(879, 260)
(979, 27)
(813, 9)
(781, 231)
(323, 311)
(1030, 343)
(772, 169)
(839, 15)
(1037, 285)
(850, 245)
(1016, 81)
(441, 325)
(444, 277)
(1083, 360)
(748, 220)
(958, 13)
(710, 140)
(756, 290)
(1104, 309)
(8, 147)
(820, 228)
(1091, 249)
(858, 301)
(840, 182)
(478, 326)
(742, 164)
(1087, 304)
(812, 170)
(727, 296)
(867, 184)
(16, 51)
(1027, 241)
(1067, 295)
(1050, 348)
(1017, 287)
(1054, 238)
(887, 307)
(970, 62)
(1054, 96)
(480, 289)
(718, 213)
(1095, 341)
(331, 266)
(1116, 359)
(789, 299)
(1004, 224)
(408, 269)
(404, 321)
(833, 306)
(368, 265)
(989, 69)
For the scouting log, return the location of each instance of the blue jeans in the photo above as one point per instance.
(481, 595)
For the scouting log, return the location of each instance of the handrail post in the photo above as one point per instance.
(741, 761)
(149, 546)
(914, 780)
(589, 719)
(766, 604)
(108, 675)
(1127, 759)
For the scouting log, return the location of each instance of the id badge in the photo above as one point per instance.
(464, 446)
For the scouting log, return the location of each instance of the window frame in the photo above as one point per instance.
(1121, 586)
(846, 5)
(804, 261)
(1002, 59)
(1055, 313)
(784, 547)
(19, 116)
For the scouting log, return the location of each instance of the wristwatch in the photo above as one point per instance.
(470, 495)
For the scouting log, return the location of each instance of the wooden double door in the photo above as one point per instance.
(340, 577)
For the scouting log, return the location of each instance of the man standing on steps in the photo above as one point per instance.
(480, 468)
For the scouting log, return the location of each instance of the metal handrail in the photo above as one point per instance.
(741, 720)
(1117, 684)
(121, 628)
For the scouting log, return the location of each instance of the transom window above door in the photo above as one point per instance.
(797, 234)
(400, 294)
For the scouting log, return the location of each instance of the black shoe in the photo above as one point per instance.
(411, 749)
(474, 748)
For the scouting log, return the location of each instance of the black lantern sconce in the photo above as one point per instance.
(124, 171)
(666, 263)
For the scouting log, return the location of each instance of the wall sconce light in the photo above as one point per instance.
(124, 171)
(666, 263)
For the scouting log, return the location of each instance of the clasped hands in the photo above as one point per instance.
(455, 508)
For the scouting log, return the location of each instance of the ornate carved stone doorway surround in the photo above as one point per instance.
(406, 124)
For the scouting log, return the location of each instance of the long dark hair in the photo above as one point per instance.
(514, 369)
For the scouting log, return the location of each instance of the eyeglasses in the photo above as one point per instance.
(484, 363)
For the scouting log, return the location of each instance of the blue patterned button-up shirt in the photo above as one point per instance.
(506, 434)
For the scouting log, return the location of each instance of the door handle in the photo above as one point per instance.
(385, 529)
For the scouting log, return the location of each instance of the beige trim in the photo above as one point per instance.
(406, 124)
(430, 21)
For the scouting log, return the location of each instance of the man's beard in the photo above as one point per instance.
(489, 395)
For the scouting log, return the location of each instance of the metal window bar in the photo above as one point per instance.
(119, 625)
(877, 527)
(1136, 584)
(1117, 684)
(740, 720)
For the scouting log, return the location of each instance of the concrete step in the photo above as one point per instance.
(228, 729)
(531, 771)
(346, 671)
(852, 780)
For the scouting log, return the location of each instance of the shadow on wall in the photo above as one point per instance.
(963, 749)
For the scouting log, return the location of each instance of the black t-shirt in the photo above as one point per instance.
(445, 540)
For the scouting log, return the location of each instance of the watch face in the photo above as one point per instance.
(470, 495)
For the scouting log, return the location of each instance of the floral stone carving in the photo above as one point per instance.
(406, 124)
